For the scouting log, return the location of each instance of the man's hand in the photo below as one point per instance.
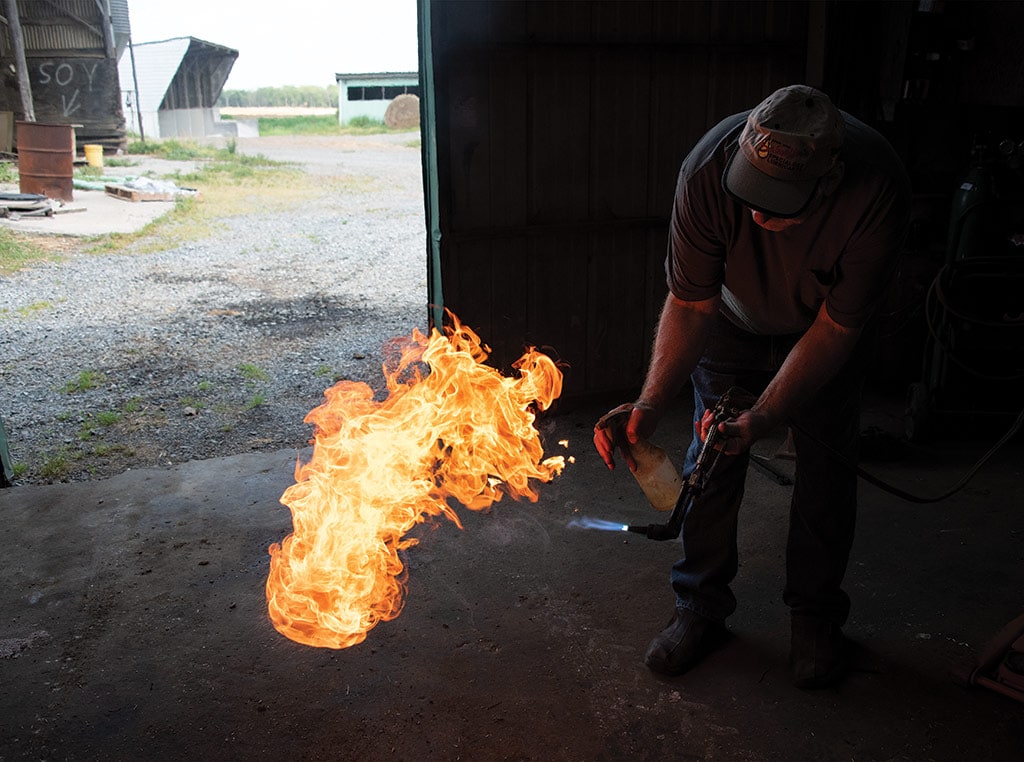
(739, 433)
(640, 425)
(736, 435)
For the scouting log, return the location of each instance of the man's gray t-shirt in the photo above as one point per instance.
(843, 254)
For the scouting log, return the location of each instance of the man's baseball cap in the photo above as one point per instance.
(791, 140)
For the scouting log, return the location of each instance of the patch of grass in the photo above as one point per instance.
(323, 124)
(106, 449)
(31, 309)
(16, 253)
(255, 401)
(56, 465)
(252, 372)
(88, 172)
(188, 150)
(365, 122)
(232, 168)
(9, 172)
(204, 386)
(102, 419)
(173, 150)
(27, 310)
(85, 380)
(20, 469)
(108, 417)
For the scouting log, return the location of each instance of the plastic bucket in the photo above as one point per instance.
(93, 155)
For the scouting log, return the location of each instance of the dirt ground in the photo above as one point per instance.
(215, 346)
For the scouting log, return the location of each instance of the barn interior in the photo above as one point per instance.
(552, 135)
(575, 118)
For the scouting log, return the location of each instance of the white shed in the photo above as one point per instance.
(371, 94)
(172, 87)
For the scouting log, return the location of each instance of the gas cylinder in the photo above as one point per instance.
(967, 228)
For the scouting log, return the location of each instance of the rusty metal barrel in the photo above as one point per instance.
(46, 159)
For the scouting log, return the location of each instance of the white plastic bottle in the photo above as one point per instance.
(655, 473)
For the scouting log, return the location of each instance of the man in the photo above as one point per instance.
(786, 227)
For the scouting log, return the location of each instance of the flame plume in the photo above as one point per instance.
(450, 427)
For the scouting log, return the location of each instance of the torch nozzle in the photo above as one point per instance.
(656, 531)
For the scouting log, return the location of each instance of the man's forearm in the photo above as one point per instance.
(816, 359)
(682, 333)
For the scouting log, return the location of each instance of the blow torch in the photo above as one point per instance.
(731, 404)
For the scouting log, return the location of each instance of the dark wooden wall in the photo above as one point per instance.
(71, 66)
(560, 127)
(84, 91)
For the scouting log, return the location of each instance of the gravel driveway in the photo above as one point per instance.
(220, 346)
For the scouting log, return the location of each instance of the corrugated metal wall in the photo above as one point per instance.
(560, 127)
(64, 26)
(73, 80)
(200, 77)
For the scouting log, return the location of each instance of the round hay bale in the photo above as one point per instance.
(403, 112)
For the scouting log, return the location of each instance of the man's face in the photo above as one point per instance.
(825, 188)
(775, 224)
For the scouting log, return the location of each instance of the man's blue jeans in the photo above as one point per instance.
(824, 502)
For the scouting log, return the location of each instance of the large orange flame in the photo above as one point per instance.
(450, 427)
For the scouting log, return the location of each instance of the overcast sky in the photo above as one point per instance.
(302, 43)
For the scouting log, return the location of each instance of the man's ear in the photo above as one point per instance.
(831, 180)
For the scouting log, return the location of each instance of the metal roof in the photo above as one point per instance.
(158, 63)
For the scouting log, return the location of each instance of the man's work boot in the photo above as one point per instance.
(819, 653)
(688, 638)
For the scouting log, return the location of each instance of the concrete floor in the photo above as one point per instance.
(135, 626)
(94, 212)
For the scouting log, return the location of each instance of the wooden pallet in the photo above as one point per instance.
(133, 194)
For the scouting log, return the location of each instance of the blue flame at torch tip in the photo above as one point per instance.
(585, 522)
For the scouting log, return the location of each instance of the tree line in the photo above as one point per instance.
(309, 96)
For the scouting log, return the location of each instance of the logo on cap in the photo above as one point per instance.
(783, 157)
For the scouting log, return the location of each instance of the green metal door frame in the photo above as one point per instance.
(6, 466)
(428, 133)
